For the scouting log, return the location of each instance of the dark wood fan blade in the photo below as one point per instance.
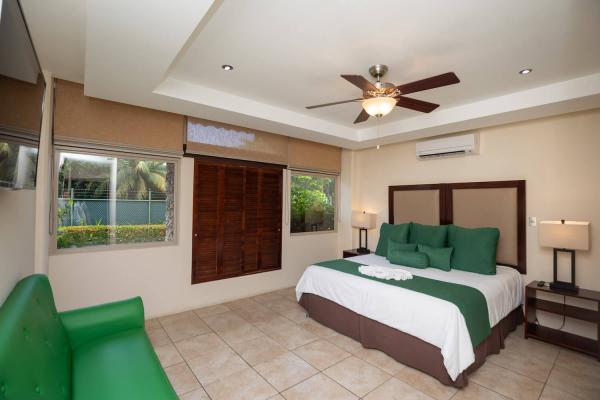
(414, 104)
(333, 104)
(359, 81)
(449, 78)
(362, 117)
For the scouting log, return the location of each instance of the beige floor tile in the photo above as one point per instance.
(276, 397)
(168, 355)
(257, 314)
(523, 362)
(583, 383)
(345, 343)
(531, 347)
(216, 364)
(425, 383)
(296, 314)
(243, 385)
(237, 304)
(198, 394)
(211, 310)
(181, 378)
(176, 317)
(292, 337)
(357, 375)
(280, 304)
(158, 336)
(395, 389)
(319, 387)
(321, 354)
(578, 361)
(506, 382)
(240, 333)
(552, 393)
(274, 323)
(259, 350)
(475, 392)
(285, 371)
(184, 326)
(224, 321)
(380, 360)
(267, 297)
(151, 323)
(316, 328)
(198, 345)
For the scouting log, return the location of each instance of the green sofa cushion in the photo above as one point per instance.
(439, 257)
(121, 366)
(429, 235)
(398, 233)
(474, 249)
(35, 355)
(400, 254)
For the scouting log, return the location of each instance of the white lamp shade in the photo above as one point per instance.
(379, 106)
(361, 219)
(571, 235)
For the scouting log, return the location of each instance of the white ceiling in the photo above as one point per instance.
(289, 54)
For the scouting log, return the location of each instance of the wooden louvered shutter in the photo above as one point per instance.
(237, 219)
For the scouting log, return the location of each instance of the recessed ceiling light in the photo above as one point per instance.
(227, 67)
(525, 71)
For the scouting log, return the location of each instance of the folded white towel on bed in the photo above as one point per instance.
(386, 273)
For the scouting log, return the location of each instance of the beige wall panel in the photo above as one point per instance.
(86, 119)
(421, 206)
(475, 208)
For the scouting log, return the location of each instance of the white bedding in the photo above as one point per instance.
(432, 320)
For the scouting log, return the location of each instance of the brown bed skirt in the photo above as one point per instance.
(401, 346)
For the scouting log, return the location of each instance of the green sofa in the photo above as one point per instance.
(95, 353)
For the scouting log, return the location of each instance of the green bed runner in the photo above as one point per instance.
(470, 301)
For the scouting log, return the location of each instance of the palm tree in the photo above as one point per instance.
(136, 177)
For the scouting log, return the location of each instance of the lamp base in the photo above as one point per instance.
(564, 286)
(363, 250)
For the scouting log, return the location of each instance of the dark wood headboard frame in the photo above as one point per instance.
(445, 191)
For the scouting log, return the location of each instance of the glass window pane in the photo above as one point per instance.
(105, 200)
(312, 203)
(18, 164)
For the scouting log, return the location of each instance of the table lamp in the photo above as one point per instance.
(564, 236)
(363, 221)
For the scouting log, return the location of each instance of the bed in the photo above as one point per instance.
(419, 330)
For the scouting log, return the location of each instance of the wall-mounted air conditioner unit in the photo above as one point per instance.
(448, 146)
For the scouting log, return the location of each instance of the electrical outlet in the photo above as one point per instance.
(532, 221)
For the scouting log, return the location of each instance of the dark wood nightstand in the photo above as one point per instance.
(555, 336)
(352, 253)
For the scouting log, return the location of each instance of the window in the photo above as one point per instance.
(18, 164)
(104, 200)
(312, 203)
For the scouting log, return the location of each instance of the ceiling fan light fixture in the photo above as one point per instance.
(379, 106)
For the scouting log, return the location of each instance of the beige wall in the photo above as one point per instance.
(161, 275)
(558, 156)
(17, 214)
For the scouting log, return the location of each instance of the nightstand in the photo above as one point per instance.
(352, 253)
(555, 336)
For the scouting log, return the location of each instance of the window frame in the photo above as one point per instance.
(57, 149)
(336, 205)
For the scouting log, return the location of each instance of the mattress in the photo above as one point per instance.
(428, 318)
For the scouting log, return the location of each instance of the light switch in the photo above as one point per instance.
(532, 221)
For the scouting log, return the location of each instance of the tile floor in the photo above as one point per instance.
(264, 347)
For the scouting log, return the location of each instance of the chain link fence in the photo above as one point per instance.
(75, 211)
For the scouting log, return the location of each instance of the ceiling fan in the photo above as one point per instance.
(380, 98)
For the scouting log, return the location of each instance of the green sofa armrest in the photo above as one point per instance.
(86, 324)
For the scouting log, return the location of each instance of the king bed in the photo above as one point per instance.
(442, 322)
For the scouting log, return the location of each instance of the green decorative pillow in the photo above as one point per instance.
(474, 249)
(397, 233)
(396, 246)
(409, 258)
(429, 235)
(439, 257)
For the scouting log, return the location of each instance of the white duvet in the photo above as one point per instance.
(432, 320)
